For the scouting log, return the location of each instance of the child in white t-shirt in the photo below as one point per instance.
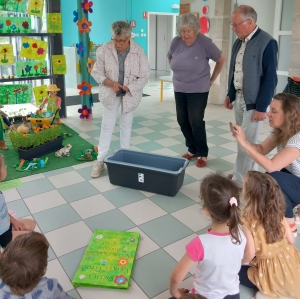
(220, 252)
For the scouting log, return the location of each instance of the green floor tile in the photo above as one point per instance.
(19, 207)
(219, 165)
(172, 204)
(149, 146)
(218, 151)
(154, 136)
(217, 140)
(159, 127)
(123, 196)
(216, 131)
(188, 179)
(215, 123)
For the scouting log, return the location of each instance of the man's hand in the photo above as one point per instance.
(258, 116)
(125, 88)
(227, 103)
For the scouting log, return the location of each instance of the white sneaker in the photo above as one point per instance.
(97, 169)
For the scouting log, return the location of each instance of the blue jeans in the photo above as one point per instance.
(190, 108)
(290, 186)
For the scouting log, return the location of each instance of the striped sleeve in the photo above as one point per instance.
(294, 141)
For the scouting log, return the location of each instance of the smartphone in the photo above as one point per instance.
(232, 129)
(121, 92)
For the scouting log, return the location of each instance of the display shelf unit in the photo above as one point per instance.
(55, 47)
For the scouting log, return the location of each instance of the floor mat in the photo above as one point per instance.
(78, 146)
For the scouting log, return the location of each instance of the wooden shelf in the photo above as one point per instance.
(28, 34)
(28, 78)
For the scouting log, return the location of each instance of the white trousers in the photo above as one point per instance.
(252, 129)
(108, 124)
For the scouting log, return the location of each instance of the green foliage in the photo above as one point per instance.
(35, 138)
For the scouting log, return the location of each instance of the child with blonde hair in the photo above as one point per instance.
(220, 252)
(9, 226)
(275, 270)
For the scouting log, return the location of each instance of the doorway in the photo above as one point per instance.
(162, 29)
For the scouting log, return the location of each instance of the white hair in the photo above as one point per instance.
(121, 28)
(187, 21)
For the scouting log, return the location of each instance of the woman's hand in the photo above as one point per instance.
(125, 88)
(116, 87)
(238, 134)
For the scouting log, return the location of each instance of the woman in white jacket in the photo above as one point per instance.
(122, 70)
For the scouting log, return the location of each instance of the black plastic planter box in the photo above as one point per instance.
(41, 150)
(148, 172)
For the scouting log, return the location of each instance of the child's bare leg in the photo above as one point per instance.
(28, 225)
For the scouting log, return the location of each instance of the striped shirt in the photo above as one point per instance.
(294, 167)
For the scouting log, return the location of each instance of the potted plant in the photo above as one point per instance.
(37, 142)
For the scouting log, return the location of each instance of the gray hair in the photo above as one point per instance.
(187, 21)
(247, 12)
(121, 28)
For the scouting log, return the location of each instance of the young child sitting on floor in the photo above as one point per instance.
(22, 267)
(220, 252)
(9, 226)
(275, 270)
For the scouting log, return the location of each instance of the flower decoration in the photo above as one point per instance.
(80, 49)
(123, 262)
(54, 19)
(5, 50)
(58, 61)
(84, 25)
(75, 14)
(87, 6)
(8, 22)
(86, 113)
(1, 26)
(104, 262)
(24, 88)
(40, 51)
(34, 45)
(26, 45)
(82, 276)
(85, 88)
(132, 240)
(13, 27)
(28, 68)
(44, 70)
(89, 64)
(25, 25)
(120, 280)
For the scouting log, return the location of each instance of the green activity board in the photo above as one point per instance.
(31, 68)
(15, 25)
(108, 260)
(10, 5)
(15, 93)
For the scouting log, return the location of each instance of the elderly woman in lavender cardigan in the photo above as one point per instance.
(189, 57)
(122, 70)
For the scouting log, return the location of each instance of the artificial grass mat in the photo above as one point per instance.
(79, 145)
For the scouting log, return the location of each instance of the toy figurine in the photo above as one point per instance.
(54, 102)
(4, 124)
(65, 151)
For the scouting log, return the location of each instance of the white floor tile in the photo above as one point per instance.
(138, 140)
(232, 146)
(177, 250)
(148, 123)
(66, 179)
(192, 191)
(134, 292)
(146, 245)
(103, 184)
(142, 131)
(230, 158)
(171, 132)
(44, 201)
(165, 151)
(193, 217)
(166, 142)
(147, 194)
(69, 238)
(84, 165)
(92, 206)
(55, 270)
(11, 195)
(197, 172)
(32, 177)
(142, 211)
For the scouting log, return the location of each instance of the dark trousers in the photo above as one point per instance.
(290, 186)
(244, 279)
(190, 108)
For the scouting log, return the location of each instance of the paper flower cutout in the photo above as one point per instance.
(13, 27)
(26, 45)
(132, 240)
(85, 88)
(34, 45)
(123, 262)
(81, 276)
(80, 49)
(75, 14)
(104, 262)
(89, 64)
(25, 25)
(99, 237)
(85, 113)
(120, 279)
(40, 51)
(87, 6)
(84, 25)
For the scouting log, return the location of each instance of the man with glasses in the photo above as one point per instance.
(251, 82)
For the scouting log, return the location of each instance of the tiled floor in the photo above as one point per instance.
(68, 204)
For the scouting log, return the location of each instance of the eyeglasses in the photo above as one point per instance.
(236, 25)
(119, 41)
